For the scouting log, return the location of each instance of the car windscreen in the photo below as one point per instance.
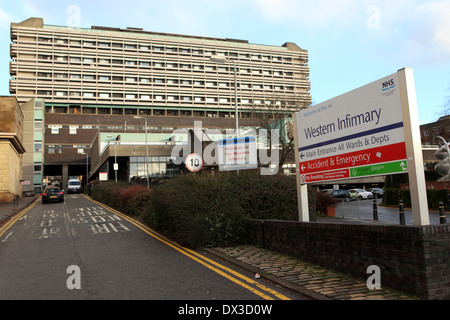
(74, 183)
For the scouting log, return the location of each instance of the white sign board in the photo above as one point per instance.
(357, 134)
(369, 131)
(237, 154)
(103, 176)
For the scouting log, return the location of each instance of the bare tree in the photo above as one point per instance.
(276, 113)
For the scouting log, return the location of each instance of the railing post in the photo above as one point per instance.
(375, 210)
(442, 217)
(401, 212)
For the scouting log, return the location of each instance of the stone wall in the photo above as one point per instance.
(414, 260)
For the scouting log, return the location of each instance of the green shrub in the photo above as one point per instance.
(193, 210)
(210, 210)
(205, 209)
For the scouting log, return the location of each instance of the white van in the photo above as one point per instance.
(74, 186)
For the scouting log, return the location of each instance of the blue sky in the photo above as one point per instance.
(350, 42)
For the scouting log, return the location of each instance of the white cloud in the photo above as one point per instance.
(417, 31)
(315, 14)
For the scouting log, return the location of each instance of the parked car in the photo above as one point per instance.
(52, 193)
(340, 193)
(361, 194)
(377, 192)
(74, 186)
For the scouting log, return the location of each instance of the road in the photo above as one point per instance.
(363, 210)
(80, 249)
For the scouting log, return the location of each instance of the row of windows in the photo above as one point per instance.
(107, 95)
(170, 49)
(169, 81)
(159, 65)
(76, 109)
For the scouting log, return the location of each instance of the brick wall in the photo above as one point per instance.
(414, 260)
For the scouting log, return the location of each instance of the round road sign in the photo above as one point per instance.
(194, 162)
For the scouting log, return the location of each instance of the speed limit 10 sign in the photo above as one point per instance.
(194, 162)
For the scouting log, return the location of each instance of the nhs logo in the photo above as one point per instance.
(387, 85)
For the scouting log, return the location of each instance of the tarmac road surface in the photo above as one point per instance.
(81, 249)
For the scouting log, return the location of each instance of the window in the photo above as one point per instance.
(37, 125)
(38, 147)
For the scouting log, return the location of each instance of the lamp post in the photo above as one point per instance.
(223, 60)
(146, 149)
(109, 139)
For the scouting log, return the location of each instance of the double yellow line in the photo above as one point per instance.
(246, 282)
(16, 217)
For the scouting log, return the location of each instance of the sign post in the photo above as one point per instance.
(417, 184)
(369, 131)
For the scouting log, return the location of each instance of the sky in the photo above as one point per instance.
(350, 42)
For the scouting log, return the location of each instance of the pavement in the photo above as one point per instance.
(305, 278)
(310, 280)
(9, 209)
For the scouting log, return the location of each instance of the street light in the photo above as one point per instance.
(115, 154)
(223, 60)
(146, 149)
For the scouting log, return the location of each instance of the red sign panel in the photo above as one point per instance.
(354, 159)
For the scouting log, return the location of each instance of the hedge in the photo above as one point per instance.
(199, 210)
(210, 210)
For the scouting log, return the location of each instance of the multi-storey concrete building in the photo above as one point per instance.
(97, 80)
